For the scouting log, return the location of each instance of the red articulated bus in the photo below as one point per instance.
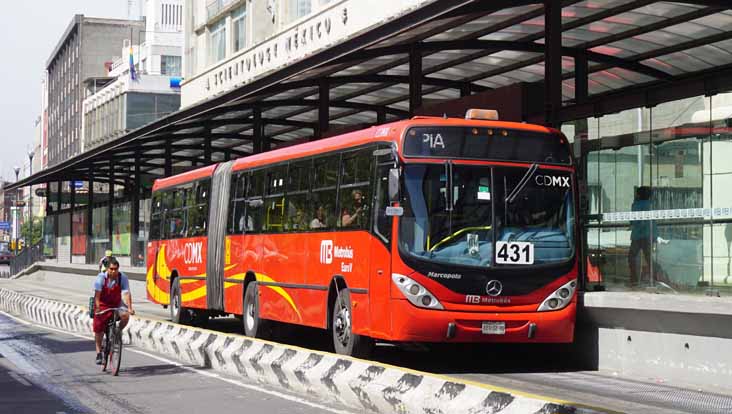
(423, 230)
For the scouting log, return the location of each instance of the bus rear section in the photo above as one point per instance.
(486, 240)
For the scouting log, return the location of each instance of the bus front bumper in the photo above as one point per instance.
(412, 324)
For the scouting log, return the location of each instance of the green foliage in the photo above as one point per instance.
(37, 230)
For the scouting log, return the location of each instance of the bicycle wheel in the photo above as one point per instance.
(115, 352)
(105, 349)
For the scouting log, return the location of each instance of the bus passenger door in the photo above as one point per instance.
(380, 269)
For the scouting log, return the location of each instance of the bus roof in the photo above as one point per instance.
(186, 177)
(392, 132)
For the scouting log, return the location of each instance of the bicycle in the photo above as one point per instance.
(112, 342)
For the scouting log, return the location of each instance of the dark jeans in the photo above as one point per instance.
(643, 245)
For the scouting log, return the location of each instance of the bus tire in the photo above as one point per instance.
(254, 326)
(178, 314)
(345, 341)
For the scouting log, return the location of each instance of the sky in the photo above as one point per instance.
(30, 31)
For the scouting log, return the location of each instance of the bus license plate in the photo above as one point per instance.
(494, 328)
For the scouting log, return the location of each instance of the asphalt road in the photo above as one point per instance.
(46, 371)
(552, 371)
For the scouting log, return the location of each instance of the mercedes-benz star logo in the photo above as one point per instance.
(494, 288)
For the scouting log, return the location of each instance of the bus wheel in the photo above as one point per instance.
(178, 314)
(254, 326)
(344, 340)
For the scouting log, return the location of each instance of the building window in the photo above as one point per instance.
(296, 9)
(217, 45)
(170, 65)
(239, 23)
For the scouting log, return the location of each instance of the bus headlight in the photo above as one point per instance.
(415, 293)
(560, 298)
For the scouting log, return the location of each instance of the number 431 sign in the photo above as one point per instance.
(519, 253)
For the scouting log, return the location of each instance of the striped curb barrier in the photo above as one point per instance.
(361, 385)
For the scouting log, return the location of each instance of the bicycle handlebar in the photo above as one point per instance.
(110, 309)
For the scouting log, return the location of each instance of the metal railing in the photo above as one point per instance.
(25, 258)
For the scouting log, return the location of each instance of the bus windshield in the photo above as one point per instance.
(487, 216)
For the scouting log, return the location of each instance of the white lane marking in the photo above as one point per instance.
(19, 378)
(195, 370)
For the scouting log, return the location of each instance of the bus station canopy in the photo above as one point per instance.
(613, 55)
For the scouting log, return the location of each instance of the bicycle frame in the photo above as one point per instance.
(112, 338)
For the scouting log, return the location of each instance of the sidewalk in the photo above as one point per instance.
(133, 273)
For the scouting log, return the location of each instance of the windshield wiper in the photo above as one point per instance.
(522, 183)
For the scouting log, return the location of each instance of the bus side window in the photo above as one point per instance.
(382, 225)
(274, 201)
(155, 226)
(241, 221)
(298, 186)
(156, 214)
(322, 211)
(157, 203)
(198, 209)
(354, 192)
(231, 219)
(176, 217)
(254, 207)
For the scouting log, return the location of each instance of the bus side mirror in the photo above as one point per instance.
(393, 185)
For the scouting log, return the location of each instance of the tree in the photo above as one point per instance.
(37, 231)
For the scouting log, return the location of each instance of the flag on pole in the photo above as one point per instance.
(133, 74)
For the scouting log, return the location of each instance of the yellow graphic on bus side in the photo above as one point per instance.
(164, 272)
(282, 292)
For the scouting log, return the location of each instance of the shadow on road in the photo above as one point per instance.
(150, 370)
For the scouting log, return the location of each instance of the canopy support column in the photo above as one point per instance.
(415, 80)
(553, 61)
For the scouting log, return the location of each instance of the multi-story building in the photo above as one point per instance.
(81, 53)
(117, 103)
(231, 42)
(43, 155)
(37, 205)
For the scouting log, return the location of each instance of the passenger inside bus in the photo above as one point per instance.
(353, 216)
(297, 220)
(319, 221)
(246, 224)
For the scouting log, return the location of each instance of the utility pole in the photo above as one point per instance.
(15, 213)
(30, 198)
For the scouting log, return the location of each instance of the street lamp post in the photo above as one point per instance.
(31, 153)
(15, 214)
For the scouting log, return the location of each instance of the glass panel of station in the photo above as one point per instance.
(657, 207)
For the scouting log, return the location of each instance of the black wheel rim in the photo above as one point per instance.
(342, 325)
(175, 306)
(250, 313)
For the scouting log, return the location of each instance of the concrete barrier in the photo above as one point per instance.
(358, 384)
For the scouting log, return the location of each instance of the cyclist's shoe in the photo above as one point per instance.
(99, 358)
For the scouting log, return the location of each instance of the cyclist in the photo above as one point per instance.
(104, 263)
(111, 290)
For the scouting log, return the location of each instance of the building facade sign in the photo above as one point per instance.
(327, 28)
